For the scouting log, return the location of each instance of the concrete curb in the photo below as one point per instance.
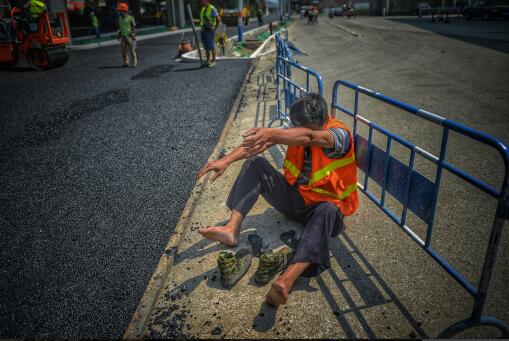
(116, 42)
(343, 28)
(138, 323)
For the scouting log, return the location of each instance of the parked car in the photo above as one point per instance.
(487, 9)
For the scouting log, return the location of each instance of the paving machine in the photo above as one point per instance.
(41, 44)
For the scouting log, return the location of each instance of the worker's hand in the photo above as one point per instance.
(218, 166)
(256, 137)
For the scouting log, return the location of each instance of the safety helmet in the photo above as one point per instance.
(123, 7)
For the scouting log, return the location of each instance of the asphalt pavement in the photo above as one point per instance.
(96, 165)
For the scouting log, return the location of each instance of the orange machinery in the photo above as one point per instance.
(43, 49)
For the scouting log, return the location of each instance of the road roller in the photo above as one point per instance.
(41, 44)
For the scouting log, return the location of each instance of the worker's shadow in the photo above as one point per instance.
(194, 68)
(17, 69)
(111, 67)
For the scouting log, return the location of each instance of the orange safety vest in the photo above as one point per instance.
(332, 180)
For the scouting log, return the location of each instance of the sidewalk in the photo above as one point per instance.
(381, 285)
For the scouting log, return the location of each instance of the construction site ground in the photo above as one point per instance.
(381, 284)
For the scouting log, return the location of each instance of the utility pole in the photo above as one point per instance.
(239, 24)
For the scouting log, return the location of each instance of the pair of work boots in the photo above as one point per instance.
(233, 266)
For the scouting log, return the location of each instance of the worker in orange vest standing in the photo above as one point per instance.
(318, 189)
(127, 35)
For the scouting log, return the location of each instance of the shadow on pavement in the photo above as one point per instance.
(190, 69)
(111, 67)
(265, 319)
(477, 33)
(17, 69)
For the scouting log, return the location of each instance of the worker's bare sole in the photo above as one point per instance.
(222, 234)
(277, 294)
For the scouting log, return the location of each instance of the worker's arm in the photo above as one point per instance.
(256, 137)
(239, 153)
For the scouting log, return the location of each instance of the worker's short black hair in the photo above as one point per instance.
(309, 109)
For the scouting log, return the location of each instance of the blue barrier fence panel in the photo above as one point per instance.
(419, 194)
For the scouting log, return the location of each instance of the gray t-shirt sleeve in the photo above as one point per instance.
(341, 143)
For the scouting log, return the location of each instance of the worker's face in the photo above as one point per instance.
(205, 2)
(123, 12)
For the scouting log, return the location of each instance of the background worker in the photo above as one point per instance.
(318, 187)
(209, 20)
(259, 16)
(35, 8)
(245, 15)
(95, 25)
(127, 35)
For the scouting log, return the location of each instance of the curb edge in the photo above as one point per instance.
(138, 322)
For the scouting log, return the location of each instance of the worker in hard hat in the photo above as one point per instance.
(127, 35)
(209, 20)
(35, 9)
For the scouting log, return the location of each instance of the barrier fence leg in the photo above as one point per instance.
(489, 263)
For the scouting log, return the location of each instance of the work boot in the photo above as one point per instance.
(212, 64)
(272, 263)
(233, 267)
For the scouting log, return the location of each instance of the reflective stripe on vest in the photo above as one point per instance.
(347, 192)
(332, 180)
(327, 170)
(291, 168)
(124, 24)
(205, 13)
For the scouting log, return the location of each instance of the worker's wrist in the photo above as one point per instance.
(272, 134)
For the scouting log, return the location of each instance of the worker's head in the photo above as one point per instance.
(309, 111)
(123, 8)
(205, 2)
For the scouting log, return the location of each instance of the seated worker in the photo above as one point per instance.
(318, 188)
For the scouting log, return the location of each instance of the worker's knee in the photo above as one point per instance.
(254, 161)
(255, 164)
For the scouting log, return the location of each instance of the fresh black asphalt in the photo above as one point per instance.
(96, 165)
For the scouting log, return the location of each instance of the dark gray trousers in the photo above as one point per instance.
(321, 221)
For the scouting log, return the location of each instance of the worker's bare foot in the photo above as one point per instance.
(278, 293)
(222, 234)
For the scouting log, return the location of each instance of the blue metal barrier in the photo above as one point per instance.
(419, 194)
(285, 64)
